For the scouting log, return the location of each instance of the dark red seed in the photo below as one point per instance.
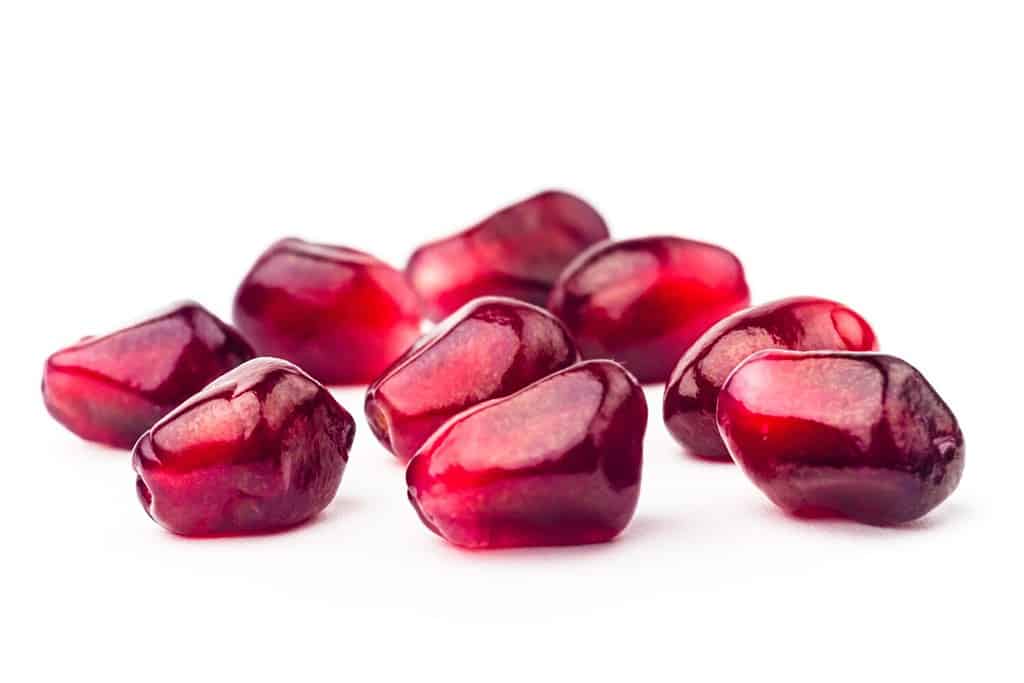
(556, 463)
(110, 389)
(259, 449)
(642, 302)
(517, 252)
(491, 347)
(796, 324)
(340, 314)
(859, 435)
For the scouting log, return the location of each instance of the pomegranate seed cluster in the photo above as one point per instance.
(520, 415)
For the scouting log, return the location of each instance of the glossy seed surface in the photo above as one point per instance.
(858, 435)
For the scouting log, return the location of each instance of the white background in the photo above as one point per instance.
(870, 151)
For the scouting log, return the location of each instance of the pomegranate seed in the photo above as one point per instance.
(797, 324)
(517, 252)
(110, 389)
(642, 302)
(860, 435)
(340, 314)
(491, 347)
(261, 448)
(556, 463)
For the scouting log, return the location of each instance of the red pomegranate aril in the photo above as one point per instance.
(795, 324)
(857, 435)
(489, 348)
(259, 449)
(517, 252)
(112, 388)
(556, 463)
(340, 314)
(643, 301)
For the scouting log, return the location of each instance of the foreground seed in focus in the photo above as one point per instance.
(259, 449)
(643, 301)
(556, 463)
(489, 348)
(340, 314)
(517, 252)
(110, 389)
(859, 435)
(795, 324)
